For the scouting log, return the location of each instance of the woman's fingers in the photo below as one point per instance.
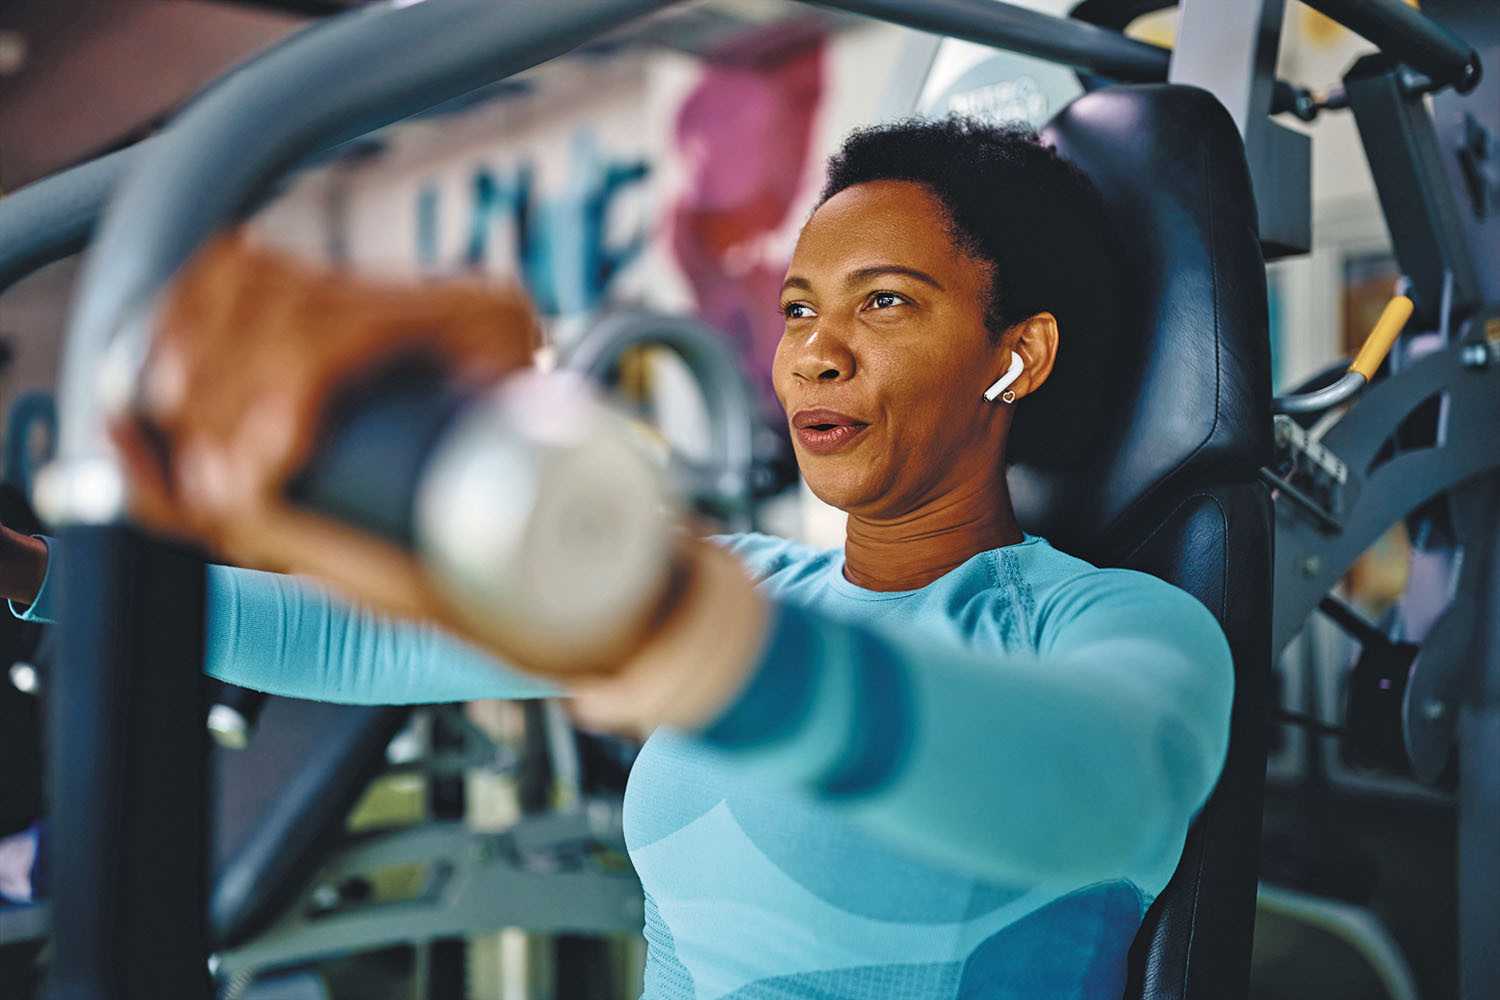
(151, 500)
(690, 663)
(370, 572)
(252, 348)
(197, 316)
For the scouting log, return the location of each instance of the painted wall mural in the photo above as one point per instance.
(664, 180)
(559, 243)
(745, 135)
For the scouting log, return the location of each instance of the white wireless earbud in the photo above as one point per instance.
(1003, 384)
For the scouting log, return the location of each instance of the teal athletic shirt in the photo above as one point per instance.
(973, 789)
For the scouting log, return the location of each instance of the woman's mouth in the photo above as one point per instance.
(823, 432)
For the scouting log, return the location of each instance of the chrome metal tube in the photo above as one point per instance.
(732, 411)
(1320, 399)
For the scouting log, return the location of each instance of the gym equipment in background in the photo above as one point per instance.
(725, 484)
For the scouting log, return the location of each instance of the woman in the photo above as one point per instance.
(945, 760)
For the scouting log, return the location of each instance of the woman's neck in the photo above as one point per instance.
(914, 549)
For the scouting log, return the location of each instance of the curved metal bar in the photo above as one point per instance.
(732, 412)
(1320, 399)
(31, 410)
(54, 217)
(316, 91)
(1364, 366)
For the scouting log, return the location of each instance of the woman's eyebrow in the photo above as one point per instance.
(881, 270)
(864, 274)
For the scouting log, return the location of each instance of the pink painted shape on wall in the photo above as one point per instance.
(745, 134)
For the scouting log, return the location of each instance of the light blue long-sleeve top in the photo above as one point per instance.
(971, 789)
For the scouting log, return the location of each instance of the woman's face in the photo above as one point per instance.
(886, 357)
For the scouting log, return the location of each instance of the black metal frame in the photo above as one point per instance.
(1229, 48)
(1401, 146)
(129, 769)
(306, 8)
(1315, 544)
(1410, 36)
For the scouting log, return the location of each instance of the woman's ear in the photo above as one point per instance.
(1035, 339)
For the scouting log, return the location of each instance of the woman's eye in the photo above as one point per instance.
(797, 310)
(884, 300)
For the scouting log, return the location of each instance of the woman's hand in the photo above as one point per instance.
(250, 346)
(688, 666)
(23, 566)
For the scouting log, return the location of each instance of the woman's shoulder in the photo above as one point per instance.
(1068, 588)
(766, 555)
(1047, 567)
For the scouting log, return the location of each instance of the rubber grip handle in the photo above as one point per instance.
(1378, 344)
(378, 436)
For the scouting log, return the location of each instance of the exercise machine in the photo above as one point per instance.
(126, 686)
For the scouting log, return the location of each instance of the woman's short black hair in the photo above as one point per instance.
(1018, 207)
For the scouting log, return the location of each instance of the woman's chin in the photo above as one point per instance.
(843, 492)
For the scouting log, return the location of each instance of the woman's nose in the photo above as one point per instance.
(823, 357)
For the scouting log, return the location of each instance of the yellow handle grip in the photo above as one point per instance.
(1378, 344)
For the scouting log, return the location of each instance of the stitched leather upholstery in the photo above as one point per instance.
(1187, 397)
(1181, 426)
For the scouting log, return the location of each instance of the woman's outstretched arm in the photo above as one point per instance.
(1085, 761)
(288, 635)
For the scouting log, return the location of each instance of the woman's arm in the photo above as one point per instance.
(1086, 761)
(23, 567)
(286, 635)
(289, 636)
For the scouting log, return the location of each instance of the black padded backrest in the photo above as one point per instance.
(1186, 398)
(1181, 423)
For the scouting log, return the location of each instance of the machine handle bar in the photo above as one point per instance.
(1361, 370)
(1403, 32)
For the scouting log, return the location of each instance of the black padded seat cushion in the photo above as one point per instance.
(1188, 399)
(1181, 430)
